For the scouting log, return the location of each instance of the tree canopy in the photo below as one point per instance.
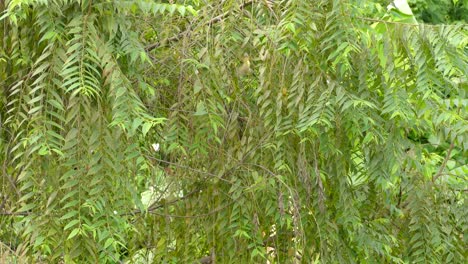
(229, 131)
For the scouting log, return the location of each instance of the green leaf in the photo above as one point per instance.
(26, 208)
(73, 233)
(197, 86)
(181, 9)
(171, 8)
(108, 242)
(71, 224)
(68, 215)
(146, 127)
(201, 110)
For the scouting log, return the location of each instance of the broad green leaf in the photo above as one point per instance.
(73, 233)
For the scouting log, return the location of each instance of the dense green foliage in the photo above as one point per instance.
(440, 11)
(436, 11)
(129, 131)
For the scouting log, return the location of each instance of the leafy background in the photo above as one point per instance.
(129, 135)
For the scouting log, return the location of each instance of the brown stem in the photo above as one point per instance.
(444, 163)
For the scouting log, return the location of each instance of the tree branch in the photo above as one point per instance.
(444, 163)
(14, 213)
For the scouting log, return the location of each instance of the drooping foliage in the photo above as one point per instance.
(129, 133)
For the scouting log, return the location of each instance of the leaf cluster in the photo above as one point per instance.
(128, 134)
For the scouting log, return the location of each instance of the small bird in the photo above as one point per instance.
(244, 69)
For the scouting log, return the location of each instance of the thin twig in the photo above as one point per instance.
(404, 23)
(155, 206)
(177, 37)
(217, 19)
(386, 21)
(10, 179)
(444, 163)
(188, 168)
(199, 215)
(14, 213)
